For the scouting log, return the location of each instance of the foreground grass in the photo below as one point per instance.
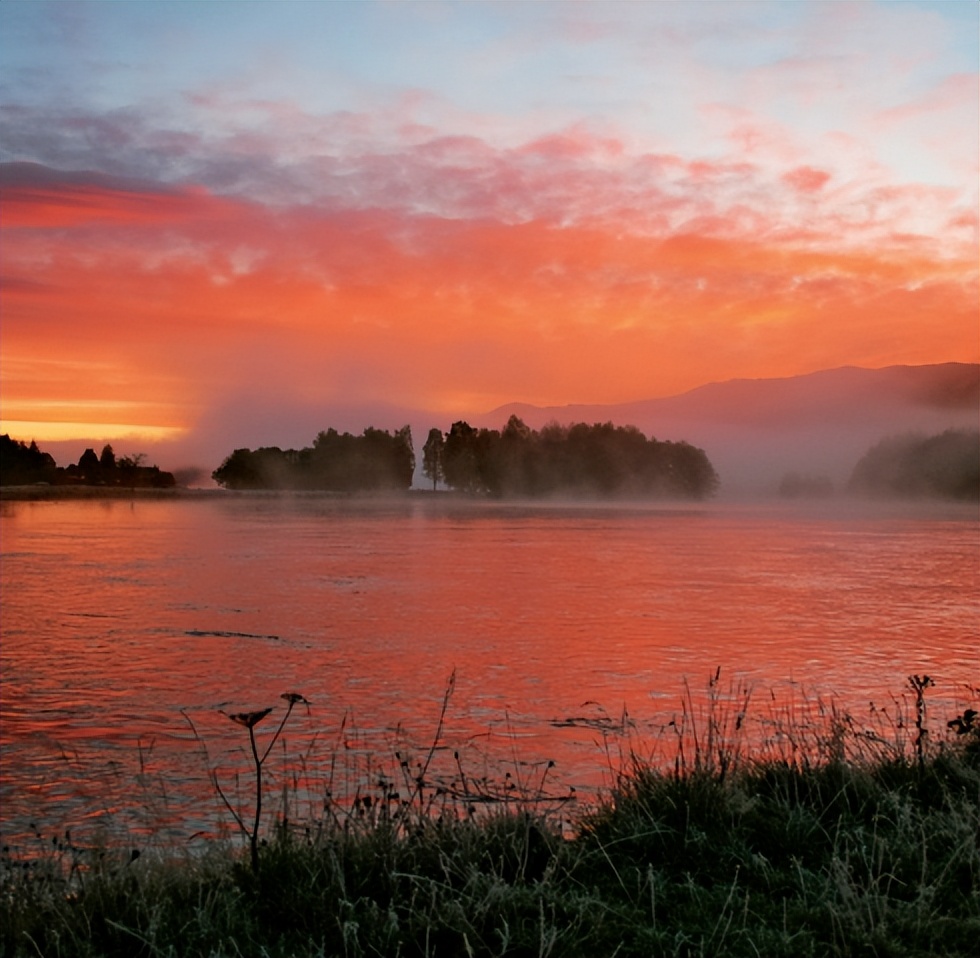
(838, 856)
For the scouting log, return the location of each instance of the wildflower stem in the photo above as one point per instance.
(254, 837)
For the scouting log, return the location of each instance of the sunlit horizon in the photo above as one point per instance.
(219, 218)
(49, 431)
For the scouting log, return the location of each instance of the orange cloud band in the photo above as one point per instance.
(166, 299)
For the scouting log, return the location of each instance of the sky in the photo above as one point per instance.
(230, 224)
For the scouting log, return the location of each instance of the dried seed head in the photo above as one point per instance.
(249, 719)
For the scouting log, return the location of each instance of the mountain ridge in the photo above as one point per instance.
(756, 430)
(952, 384)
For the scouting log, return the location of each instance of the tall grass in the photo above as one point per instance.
(828, 835)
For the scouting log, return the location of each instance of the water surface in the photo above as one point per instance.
(129, 627)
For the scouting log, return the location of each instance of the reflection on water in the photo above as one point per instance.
(129, 626)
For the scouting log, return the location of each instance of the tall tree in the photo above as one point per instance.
(432, 456)
(88, 466)
(404, 457)
(459, 458)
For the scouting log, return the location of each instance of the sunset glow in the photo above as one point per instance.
(217, 215)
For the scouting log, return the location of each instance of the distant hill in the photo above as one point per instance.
(756, 430)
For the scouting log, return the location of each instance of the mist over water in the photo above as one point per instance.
(567, 625)
(754, 432)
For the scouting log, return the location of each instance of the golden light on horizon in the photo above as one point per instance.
(98, 432)
(234, 264)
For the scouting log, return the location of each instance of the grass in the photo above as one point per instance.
(832, 837)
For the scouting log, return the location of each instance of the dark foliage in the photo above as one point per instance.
(944, 466)
(337, 462)
(580, 460)
(21, 464)
(432, 457)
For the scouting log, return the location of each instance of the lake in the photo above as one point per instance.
(130, 629)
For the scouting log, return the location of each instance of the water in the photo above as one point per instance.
(130, 627)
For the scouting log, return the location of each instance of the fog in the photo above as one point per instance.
(754, 432)
(820, 425)
(252, 421)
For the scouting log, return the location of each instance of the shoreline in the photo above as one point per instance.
(782, 858)
(54, 493)
(840, 507)
(40, 493)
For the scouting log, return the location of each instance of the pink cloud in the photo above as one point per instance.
(450, 269)
(572, 144)
(806, 179)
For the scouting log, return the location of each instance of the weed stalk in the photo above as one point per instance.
(249, 720)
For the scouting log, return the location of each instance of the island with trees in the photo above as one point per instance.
(23, 464)
(600, 460)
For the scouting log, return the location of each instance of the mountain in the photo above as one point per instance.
(756, 430)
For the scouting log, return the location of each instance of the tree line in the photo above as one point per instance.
(336, 462)
(599, 460)
(579, 460)
(23, 464)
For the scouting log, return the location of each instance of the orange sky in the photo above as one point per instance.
(143, 306)
(452, 272)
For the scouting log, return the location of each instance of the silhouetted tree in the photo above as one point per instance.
(21, 464)
(89, 469)
(128, 469)
(432, 455)
(602, 459)
(403, 457)
(265, 468)
(376, 460)
(515, 458)
(459, 458)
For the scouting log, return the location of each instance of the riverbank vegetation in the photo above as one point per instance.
(23, 464)
(834, 838)
(564, 462)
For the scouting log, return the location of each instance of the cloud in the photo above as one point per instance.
(38, 197)
(806, 179)
(594, 202)
(278, 154)
(193, 297)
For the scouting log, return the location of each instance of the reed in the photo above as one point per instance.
(831, 836)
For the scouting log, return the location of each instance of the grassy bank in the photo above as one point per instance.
(852, 846)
